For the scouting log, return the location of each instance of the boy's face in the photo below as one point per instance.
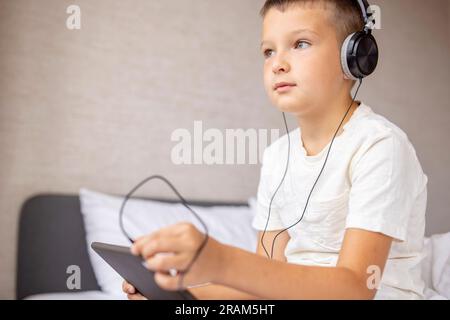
(300, 46)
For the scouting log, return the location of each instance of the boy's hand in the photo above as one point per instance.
(181, 241)
(130, 290)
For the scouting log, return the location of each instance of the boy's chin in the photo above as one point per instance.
(294, 107)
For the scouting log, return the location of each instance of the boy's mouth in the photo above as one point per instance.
(284, 86)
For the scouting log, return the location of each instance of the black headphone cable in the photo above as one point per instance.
(286, 170)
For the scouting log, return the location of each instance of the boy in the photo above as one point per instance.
(361, 236)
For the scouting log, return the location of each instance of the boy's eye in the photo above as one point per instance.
(301, 44)
(268, 53)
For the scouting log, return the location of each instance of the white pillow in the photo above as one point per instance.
(227, 224)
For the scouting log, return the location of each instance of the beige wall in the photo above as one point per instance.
(96, 107)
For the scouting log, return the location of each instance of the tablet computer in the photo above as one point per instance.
(132, 269)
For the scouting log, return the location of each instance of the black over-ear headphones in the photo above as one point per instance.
(359, 53)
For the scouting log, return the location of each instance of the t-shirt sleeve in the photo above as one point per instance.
(265, 192)
(384, 187)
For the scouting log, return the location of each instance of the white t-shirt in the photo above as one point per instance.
(372, 181)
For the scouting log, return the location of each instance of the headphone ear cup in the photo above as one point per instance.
(359, 55)
(345, 57)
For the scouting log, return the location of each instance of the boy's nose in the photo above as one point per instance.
(280, 65)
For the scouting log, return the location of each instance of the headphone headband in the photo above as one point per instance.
(364, 6)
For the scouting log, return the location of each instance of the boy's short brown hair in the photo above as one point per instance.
(346, 16)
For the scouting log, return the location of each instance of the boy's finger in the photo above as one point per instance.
(128, 288)
(164, 245)
(136, 297)
(168, 231)
(136, 248)
(124, 286)
(166, 262)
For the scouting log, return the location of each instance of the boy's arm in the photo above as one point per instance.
(220, 292)
(360, 251)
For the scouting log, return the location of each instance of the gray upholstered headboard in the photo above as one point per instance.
(51, 238)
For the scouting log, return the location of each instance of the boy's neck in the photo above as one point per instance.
(317, 130)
